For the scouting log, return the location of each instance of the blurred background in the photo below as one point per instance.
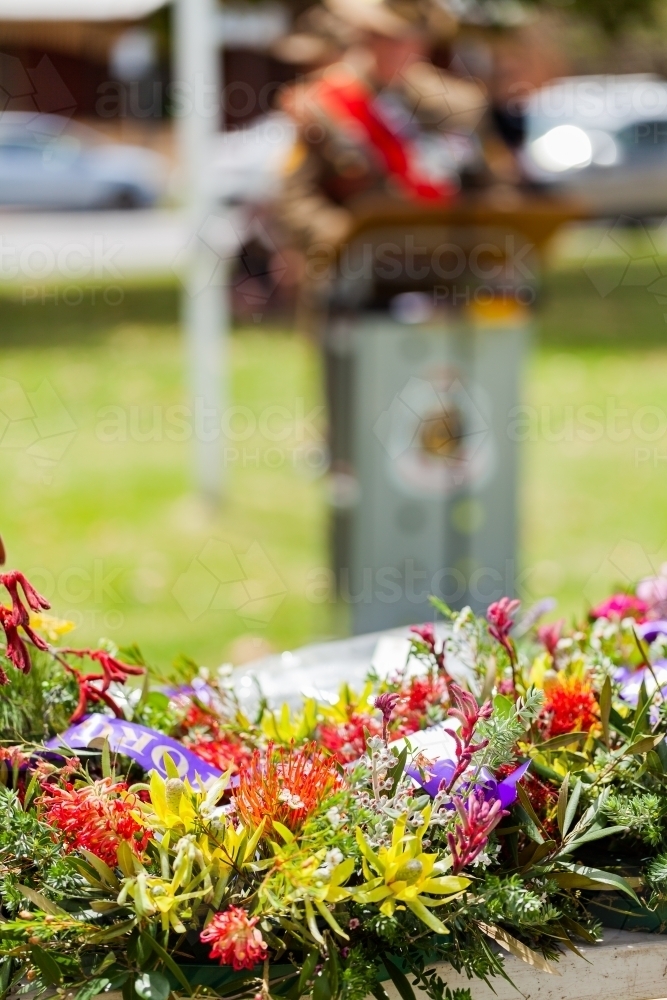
(172, 472)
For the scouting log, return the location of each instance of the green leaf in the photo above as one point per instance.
(47, 965)
(169, 766)
(322, 986)
(308, 968)
(503, 707)
(102, 869)
(527, 807)
(332, 967)
(152, 986)
(600, 879)
(168, 962)
(106, 759)
(379, 992)
(92, 988)
(571, 810)
(40, 901)
(564, 740)
(621, 725)
(394, 773)
(643, 745)
(399, 980)
(562, 803)
(605, 708)
(606, 831)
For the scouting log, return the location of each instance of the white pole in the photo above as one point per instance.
(197, 54)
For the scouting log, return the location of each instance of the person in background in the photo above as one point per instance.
(376, 117)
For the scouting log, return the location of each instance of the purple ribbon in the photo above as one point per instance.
(146, 746)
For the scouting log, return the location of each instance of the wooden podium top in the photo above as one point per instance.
(536, 218)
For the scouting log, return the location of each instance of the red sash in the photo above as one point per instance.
(343, 96)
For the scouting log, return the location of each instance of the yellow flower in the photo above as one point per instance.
(177, 811)
(49, 626)
(314, 878)
(404, 873)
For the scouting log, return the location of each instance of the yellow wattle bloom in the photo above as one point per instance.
(406, 876)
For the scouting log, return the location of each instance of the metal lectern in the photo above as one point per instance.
(428, 325)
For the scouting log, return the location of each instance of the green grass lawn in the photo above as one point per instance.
(96, 501)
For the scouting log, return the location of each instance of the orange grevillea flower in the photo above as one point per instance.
(570, 706)
(96, 817)
(236, 939)
(286, 785)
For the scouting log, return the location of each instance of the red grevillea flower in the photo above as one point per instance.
(286, 785)
(543, 796)
(236, 939)
(346, 741)
(477, 818)
(621, 606)
(422, 692)
(96, 817)
(222, 752)
(570, 706)
(24, 600)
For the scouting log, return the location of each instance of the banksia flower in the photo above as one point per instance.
(286, 785)
(236, 939)
(96, 817)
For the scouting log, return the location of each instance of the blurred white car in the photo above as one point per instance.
(602, 140)
(49, 162)
(248, 162)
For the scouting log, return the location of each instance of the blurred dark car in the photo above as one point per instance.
(602, 140)
(49, 163)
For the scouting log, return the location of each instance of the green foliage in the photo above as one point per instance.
(642, 813)
(35, 706)
(512, 901)
(29, 855)
(656, 873)
(507, 724)
(359, 975)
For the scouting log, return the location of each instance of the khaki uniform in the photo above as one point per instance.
(333, 165)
